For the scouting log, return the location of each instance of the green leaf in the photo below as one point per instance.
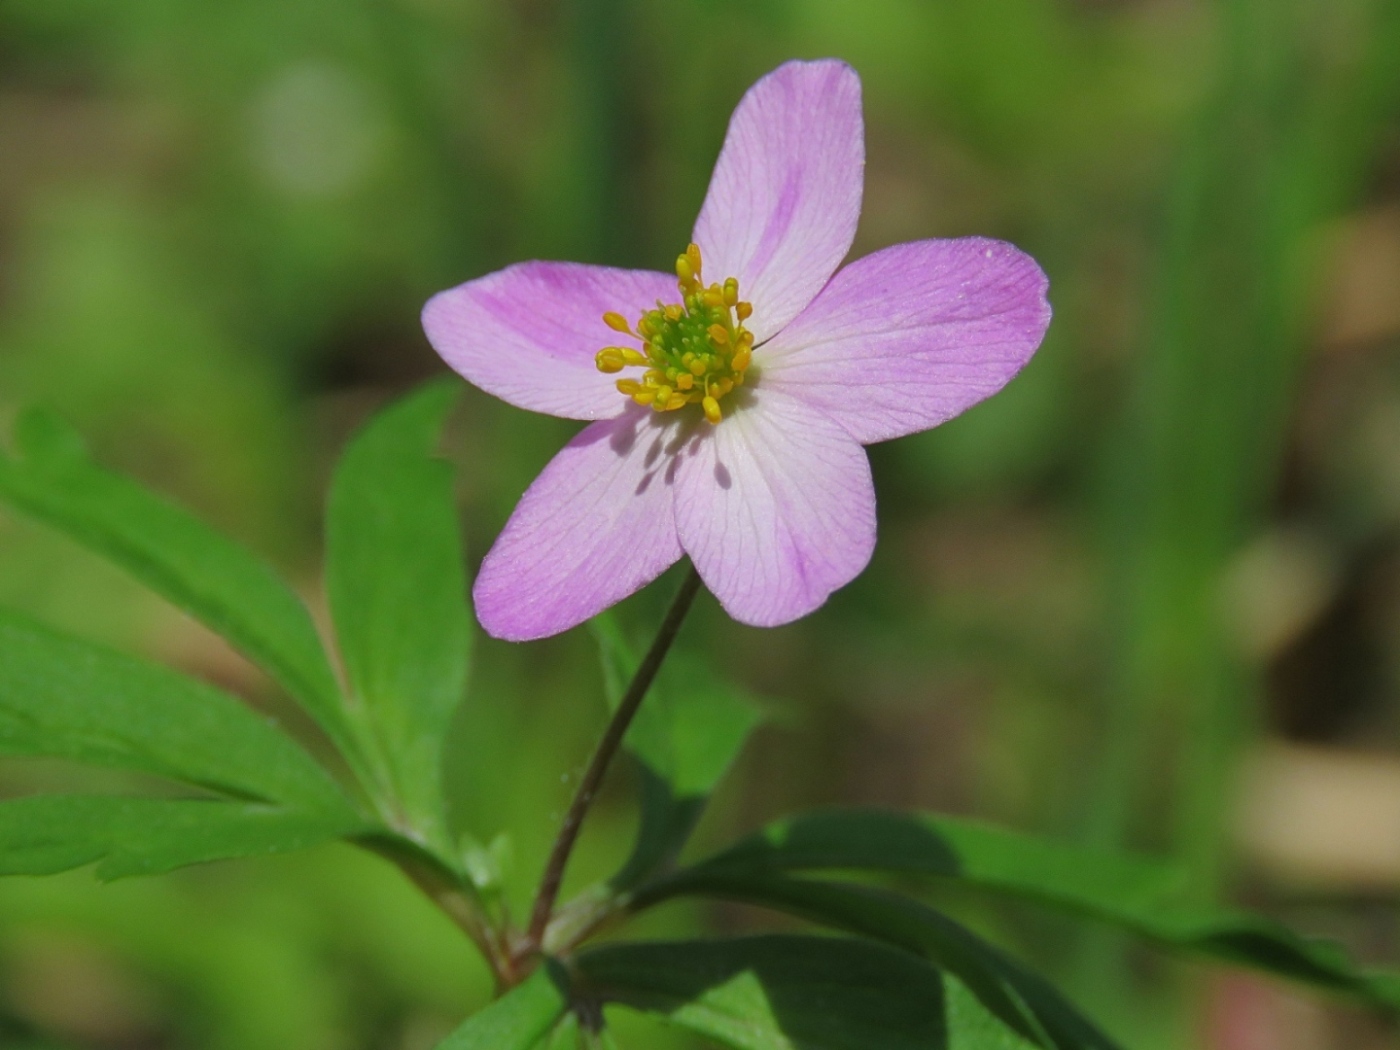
(776, 992)
(1020, 999)
(1132, 893)
(47, 834)
(519, 1019)
(398, 590)
(214, 580)
(65, 698)
(972, 1027)
(685, 737)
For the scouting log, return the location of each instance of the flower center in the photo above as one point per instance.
(694, 352)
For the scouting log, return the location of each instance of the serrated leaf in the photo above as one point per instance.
(685, 737)
(1133, 893)
(398, 594)
(65, 698)
(1019, 998)
(213, 579)
(519, 1019)
(47, 834)
(776, 992)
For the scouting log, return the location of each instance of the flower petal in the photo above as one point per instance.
(596, 525)
(909, 337)
(529, 333)
(776, 507)
(785, 195)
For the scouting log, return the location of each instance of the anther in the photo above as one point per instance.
(684, 271)
(694, 351)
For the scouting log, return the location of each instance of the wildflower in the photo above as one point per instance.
(730, 413)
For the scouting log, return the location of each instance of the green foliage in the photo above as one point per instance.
(776, 992)
(398, 594)
(64, 698)
(47, 834)
(519, 1019)
(1018, 998)
(972, 851)
(1144, 898)
(397, 590)
(684, 738)
(211, 578)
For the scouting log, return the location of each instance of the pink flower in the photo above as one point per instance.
(729, 416)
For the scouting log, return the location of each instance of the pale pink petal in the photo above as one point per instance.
(775, 506)
(909, 337)
(595, 526)
(784, 199)
(529, 333)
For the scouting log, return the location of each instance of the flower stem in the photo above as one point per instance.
(602, 758)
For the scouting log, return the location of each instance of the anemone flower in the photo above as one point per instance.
(728, 416)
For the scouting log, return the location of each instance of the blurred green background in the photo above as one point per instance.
(1149, 596)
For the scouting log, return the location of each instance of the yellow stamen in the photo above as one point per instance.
(609, 359)
(694, 352)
